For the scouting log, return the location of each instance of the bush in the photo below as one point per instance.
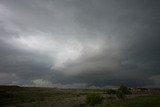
(124, 90)
(111, 91)
(94, 98)
(120, 94)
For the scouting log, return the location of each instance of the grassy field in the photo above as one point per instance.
(51, 97)
(144, 101)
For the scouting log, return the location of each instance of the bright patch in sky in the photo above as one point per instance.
(59, 50)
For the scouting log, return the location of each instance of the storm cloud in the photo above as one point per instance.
(80, 43)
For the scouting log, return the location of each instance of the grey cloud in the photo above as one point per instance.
(97, 43)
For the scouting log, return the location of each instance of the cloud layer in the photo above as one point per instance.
(80, 43)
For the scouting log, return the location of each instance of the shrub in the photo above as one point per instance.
(111, 91)
(120, 94)
(124, 89)
(94, 98)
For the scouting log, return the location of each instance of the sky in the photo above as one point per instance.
(80, 43)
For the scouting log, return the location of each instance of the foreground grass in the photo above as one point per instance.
(49, 97)
(145, 101)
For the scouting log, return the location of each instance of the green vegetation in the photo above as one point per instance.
(52, 97)
(111, 91)
(124, 89)
(144, 101)
(122, 92)
(94, 98)
(120, 95)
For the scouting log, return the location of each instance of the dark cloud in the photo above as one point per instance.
(80, 43)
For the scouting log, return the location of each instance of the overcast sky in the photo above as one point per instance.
(80, 43)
